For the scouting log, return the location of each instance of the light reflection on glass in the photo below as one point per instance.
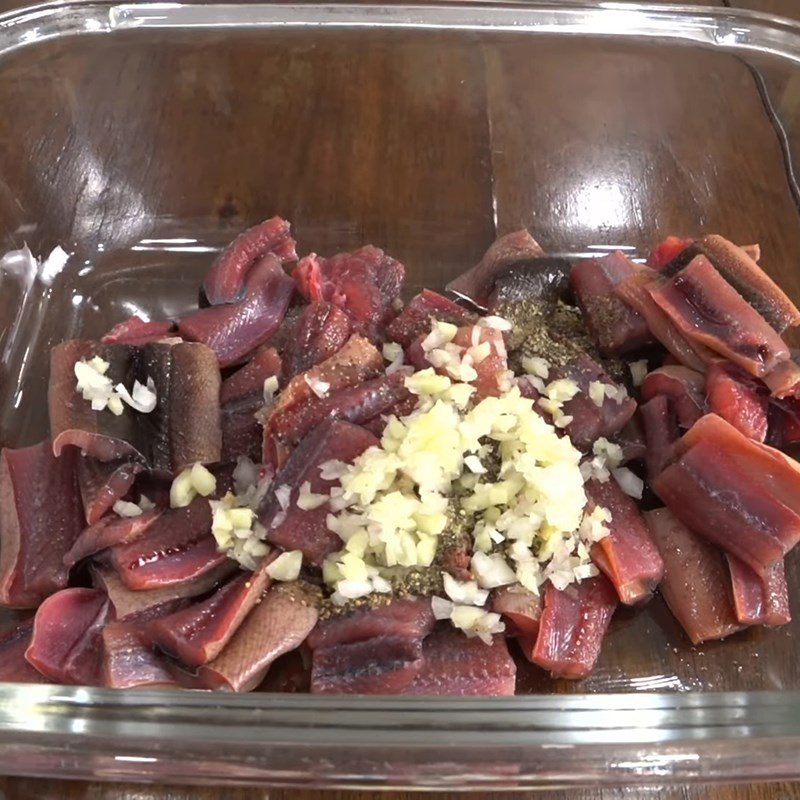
(601, 205)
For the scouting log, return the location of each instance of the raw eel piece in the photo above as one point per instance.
(358, 361)
(635, 292)
(356, 404)
(242, 396)
(543, 280)
(509, 251)
(99, 434)
(234, 330)
(365, 283)
(632, 440)
(249, 379)
(784, 380)
(197, 634)
(103, 483)
(283, 338)
(415, 319)
(165, 568)
(741, 271)
(181, 430)
(381, 665)
(184, 427)
(711, 494)
(661, 433)
(293, 528)
(225, 281)
(67, 632)
(734, 396)
(242, 433)
(616, 327)
(628, 555)
(590, 422)
(279, 623)
(129, 662)
(14, 641)
(667, 251)
(40, 519)
(402, 408)
(454, 665)
(773, 472)
(521, 610)
(136, 331)
(572, 627)
(759, 600)
(411, 618)
(129, 604)
(110, 531)
(685, 387)
(322, 330)
(178, 546)
(708, 310)
(696, 586)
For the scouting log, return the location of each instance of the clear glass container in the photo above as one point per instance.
(143, 137)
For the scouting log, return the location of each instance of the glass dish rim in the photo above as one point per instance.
(685, 736)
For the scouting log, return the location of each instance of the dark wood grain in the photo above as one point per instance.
(424, 150)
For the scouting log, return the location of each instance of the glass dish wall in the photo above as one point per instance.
(143, 137)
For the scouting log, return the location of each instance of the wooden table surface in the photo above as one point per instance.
(353, 189)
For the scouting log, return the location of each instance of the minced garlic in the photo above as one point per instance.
(391, 504)
(188, 484)
(96, 387)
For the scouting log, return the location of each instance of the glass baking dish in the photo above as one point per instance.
(141, 137)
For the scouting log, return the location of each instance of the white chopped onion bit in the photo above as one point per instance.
(491, 571)
(397, 364)
(283, 495)
(629, 482)
(597, 392)
(182, 490)
(585, 571)
(638, 371)
(536, 366)
(473, 464)
(464, 592)
(352, 590)
(617, 393)
(245, 475)
(427, 382)
(442, 609)
(392, 351)
(332, 470)
(145, 503)
(562, 390)
(286, 567)
(611, 452)
(92, 382)
(114, 405)
(125, 509)
(203, 481)
(319, 387)
(278, 520)
(495, 322)
(237, 531)
(477, 622)
(143, 398)
(308, 500)
(271, 386)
